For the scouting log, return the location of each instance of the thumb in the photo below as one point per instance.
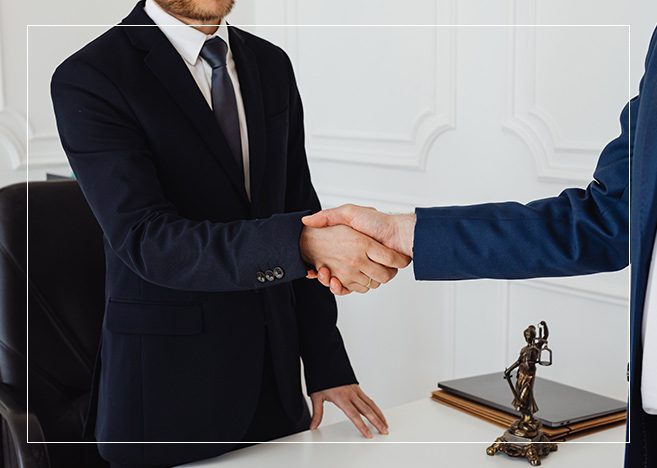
(330, 217)
(317, 220)
(318, 411)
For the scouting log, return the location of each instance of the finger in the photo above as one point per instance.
(318, 412)
(377, 272)
(324, 276)
(356, 282)
(387, 257)
(373, 405)
(311, 274)
(337, 288)
(330, 217)
(352, 413)
(371, 415)
(357, 287)
(374, 284)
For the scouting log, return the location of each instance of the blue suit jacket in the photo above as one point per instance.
(187, 309)
(579, 232)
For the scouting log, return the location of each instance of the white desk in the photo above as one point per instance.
(423, 420)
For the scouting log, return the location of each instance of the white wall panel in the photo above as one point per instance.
(399, 117)
(555, 96)
(542, 84)
(47, 47)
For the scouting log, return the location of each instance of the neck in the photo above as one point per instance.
(205, 26)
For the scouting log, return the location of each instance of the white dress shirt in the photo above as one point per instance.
(649, 371)
(189, 41)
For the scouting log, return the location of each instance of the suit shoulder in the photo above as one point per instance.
(104, 53)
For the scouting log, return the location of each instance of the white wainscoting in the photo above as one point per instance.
(399, 117)
(49, 41)
(522, 118)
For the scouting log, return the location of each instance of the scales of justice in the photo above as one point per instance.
(525, 437)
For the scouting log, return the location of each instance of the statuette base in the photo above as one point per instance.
(533, 449)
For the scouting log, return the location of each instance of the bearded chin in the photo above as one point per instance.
(188, 10)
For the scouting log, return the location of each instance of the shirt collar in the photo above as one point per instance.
(187, 40)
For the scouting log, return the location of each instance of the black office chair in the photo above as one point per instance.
(64, 291)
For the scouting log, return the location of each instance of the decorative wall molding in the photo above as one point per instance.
(402, 150)
(12, 123)
(449, 331)
(19, 141)
(291, 16)
(12, 136)
(44, 150)
(591, 291)
(392, 202)
(557, 159)
(503, 329)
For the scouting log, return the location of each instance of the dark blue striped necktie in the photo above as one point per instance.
(224, 104)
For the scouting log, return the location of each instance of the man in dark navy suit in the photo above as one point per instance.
(579, 232)
(188, 144)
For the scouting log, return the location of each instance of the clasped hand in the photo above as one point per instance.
(355, 248)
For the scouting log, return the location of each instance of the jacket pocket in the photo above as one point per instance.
(154, 318)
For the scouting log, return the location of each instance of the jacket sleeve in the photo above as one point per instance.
(326, 364)
(110, 157)
(580, 231)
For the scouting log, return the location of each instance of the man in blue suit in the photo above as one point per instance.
(579, 232)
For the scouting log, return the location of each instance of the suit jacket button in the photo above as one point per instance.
(260, 276)
(269, 275)
(278, 272)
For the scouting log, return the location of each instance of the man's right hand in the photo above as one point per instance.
(359, 262)
(394, 231)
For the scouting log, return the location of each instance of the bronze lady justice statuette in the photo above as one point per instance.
(525, 437)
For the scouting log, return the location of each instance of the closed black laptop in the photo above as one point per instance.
(559, 404)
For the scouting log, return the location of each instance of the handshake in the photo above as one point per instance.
(355, 248)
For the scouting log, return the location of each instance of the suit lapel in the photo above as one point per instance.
(249, 78)
(170, 70)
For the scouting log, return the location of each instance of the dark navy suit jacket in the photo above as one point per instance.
(186, 311)
(576, 233)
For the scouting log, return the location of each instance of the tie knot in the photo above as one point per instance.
(214, 52)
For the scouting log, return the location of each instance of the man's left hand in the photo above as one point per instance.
(354, 403)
